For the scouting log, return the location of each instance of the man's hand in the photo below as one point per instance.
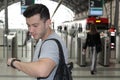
(9, 61)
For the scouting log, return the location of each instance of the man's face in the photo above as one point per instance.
(37, 27)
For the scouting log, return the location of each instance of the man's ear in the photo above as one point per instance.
(48, 22)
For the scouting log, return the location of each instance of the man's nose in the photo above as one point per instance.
(31, 30)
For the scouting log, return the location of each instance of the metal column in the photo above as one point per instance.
(104, 56)
(81, 58)
(118, 48)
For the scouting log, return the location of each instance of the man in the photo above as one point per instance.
(38, 21)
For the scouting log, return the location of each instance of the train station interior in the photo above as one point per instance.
(71, 24)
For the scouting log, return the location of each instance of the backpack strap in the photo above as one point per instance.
(61, 57)
(60, 49)
(40, 50)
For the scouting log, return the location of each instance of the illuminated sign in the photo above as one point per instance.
(95, 7)
(25, 3)
(23, 8)
(96, 11)
(98, 21)
(96, 3)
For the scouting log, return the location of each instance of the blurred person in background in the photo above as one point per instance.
(93, 41)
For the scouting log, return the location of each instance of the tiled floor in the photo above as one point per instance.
(79, 73)
(103, 73)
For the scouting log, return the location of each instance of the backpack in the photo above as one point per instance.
(64, 71)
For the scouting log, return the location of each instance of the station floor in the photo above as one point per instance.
(79, 73)
(112, 72)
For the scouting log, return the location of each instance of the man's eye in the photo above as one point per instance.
(28, 26)
(35, 26)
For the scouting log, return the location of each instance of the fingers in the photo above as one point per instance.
(9, 61)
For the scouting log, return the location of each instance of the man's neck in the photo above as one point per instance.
(50, 31)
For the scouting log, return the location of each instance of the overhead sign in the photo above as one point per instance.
(96, 11)
(23, 8)
(96, 3)
(95, 7)
(25, 3)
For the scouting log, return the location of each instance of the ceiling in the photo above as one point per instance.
(77, 6)
(2, 2)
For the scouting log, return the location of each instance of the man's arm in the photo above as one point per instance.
(40, 68)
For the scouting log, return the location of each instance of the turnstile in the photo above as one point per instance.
(81, 58)
(104, 55)
(118, 48)
(65, 35)
(12, 45)
(71, 42)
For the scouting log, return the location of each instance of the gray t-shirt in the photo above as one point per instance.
(50, 50)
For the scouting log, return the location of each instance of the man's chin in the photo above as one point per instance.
(36, 38)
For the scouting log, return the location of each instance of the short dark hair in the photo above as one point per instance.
(37, 9)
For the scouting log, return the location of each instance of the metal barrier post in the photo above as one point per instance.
(118, 48)
(12, 45)
(104, 56)
(81, 59)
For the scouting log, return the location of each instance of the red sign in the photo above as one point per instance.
(97, 20)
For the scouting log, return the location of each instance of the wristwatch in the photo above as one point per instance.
(13, 62)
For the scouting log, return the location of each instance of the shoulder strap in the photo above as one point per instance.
(60, 49)
(40, 50)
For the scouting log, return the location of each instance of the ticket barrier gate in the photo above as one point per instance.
(104, 55)
(12, 45)
(81, 58)
(64, 35)
(118, 48)
(71, 41)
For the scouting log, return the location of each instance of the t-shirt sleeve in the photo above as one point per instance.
(50, 50)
